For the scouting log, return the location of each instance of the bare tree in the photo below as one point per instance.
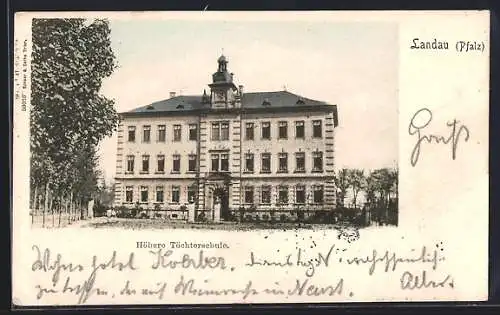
(356, 182)
(341, 179)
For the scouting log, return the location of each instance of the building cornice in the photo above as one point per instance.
(237, 111)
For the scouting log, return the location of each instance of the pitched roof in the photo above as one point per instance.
(253, 100)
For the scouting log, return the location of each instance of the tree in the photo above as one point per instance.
(341, 180)
(356, 182)
(69, 117)
(384, 182)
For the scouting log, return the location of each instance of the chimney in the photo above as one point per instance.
(241, 89)
(172, 94)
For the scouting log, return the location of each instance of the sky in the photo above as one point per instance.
(351, 64)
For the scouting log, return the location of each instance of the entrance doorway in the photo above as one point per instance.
(221, 199)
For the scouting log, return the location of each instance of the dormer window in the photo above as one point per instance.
(180, 106)
(150, 107)
(266, 102)
(300, 101)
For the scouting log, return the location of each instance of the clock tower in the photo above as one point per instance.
(224, 93)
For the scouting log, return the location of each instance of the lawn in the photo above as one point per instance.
(139, 224)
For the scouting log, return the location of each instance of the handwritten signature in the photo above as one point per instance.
(409, 281)
(422, 119)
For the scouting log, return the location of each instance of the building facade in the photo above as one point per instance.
(227, 153)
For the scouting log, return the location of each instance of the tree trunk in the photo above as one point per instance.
(45, 203)
(34, 203)
(71, 206)
(355, 198)
(78, 209)
(61, 200)
(34, 206)
(52, 210)
(66, 203)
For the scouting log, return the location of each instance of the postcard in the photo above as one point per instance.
(178, 158)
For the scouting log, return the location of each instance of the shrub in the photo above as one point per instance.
(241, 212)
(201, 217)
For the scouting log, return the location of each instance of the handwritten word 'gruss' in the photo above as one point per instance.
(410, 281)
(420, 120)
(390, 260)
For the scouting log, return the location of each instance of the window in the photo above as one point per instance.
(266, 163)
(317, 161)
(266, 130)
(161, 133)
(283, 130)
(159, 194)
(176, 165)
(193, 132)
(300, 194)
(215, 162)
(145, 163)
(215, 131)
(161, 163)
(177, 132)
(224, 162)
(283, 162)
(300, 162)
(131, 134)
(266, 195)
(249, 131)
(129, 193)
(299, 129)
(224, 128)
(249, 194)
(130, 163)
(144, 194)
(146, 133)
(191, 193)
(220, 131)
(317, 132)
(175, 194)
(318, 194)
(283, 195)
(249, 162)
(192, 163)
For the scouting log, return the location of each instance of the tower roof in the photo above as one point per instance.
(222, 58)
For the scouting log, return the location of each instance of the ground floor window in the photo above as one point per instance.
(175, 194)
(129, 193)
(249, 195)
(144, 194)
(283, 195)
(300, 194)
(159, 194)
(266, 195)
(318, 194)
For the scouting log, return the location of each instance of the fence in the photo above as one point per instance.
(53, 219)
